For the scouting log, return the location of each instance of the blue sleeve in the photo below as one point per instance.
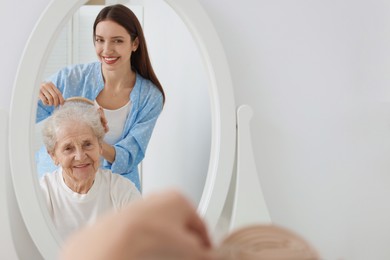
(75, 80)
(131, 149)
(44, 111)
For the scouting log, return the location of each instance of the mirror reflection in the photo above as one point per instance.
(122, 83)
(178, 150)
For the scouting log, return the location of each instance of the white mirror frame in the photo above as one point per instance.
(23, 109)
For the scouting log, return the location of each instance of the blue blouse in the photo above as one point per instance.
(147, 101)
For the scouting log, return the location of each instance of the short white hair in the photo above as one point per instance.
(76, 111)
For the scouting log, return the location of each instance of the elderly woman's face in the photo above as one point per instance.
(77, 150)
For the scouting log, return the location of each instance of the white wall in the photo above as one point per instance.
(16, 22)
(7, 249)
(315, 73)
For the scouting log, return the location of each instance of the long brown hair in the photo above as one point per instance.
(140, 60)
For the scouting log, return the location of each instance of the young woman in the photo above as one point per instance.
(122, 82)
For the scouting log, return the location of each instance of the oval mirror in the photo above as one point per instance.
(23, 107)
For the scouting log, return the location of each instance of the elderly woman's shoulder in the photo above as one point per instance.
(117, 182)
(49, 177)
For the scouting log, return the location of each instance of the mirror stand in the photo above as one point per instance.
(249, 204)
(245, 203)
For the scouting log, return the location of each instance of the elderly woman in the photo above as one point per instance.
(79, 190)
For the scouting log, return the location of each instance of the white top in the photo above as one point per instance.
(70, 210)
(116, 122)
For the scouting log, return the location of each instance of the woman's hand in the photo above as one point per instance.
(167, 226)
(161, 226)
(50, 95)
(103, 120)
(108, 152)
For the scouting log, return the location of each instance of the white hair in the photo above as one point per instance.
(72, 111)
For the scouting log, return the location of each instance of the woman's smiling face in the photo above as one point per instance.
(77, 151)
(113, 45)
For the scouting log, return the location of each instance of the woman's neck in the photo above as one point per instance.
(81, 187)
(119, 79)
(117, 89)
